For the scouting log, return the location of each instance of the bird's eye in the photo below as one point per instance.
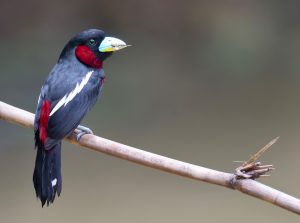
(92, 42)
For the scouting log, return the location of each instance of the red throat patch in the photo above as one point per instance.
(43, 123)
(87, 56)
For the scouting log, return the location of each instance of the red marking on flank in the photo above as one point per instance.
(87, 56)
(43, 123)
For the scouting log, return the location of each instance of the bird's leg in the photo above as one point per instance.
(82, 131)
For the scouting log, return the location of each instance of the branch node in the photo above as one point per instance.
(233, 181)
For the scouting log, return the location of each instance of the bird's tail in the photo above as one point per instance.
(47, 176)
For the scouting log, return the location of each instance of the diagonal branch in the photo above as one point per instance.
(96, 143)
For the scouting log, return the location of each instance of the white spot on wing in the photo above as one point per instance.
(39, 99)
(69, 97)
(53, 182)
(40, 95)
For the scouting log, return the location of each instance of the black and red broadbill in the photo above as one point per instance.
(69, 92)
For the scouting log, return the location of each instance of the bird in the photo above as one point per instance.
(71, 89)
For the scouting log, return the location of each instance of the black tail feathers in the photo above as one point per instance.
(47, 176)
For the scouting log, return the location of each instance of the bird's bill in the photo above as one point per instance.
(111, 44)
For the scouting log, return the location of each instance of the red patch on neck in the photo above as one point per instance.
(87, 56)
(43, 123)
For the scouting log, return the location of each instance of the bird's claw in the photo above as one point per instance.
(82, 131)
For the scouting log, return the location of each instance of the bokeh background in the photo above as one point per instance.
(206, 83)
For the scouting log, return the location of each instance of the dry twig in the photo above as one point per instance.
(247, 186)
(252, 169)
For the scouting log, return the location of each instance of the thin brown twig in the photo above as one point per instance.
(247, 186)
(260, 152)
(251, 169)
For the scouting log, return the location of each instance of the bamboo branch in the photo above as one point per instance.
(96, 143)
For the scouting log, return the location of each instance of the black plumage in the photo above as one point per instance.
(69, 92)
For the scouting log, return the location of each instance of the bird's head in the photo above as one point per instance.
(91, 47)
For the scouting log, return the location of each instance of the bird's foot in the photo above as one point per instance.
(82, 131)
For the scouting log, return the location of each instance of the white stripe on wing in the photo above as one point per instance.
(70, 96)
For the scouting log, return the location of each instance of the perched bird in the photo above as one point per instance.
(69, 92)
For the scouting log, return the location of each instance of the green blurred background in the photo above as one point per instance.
(206, 83)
